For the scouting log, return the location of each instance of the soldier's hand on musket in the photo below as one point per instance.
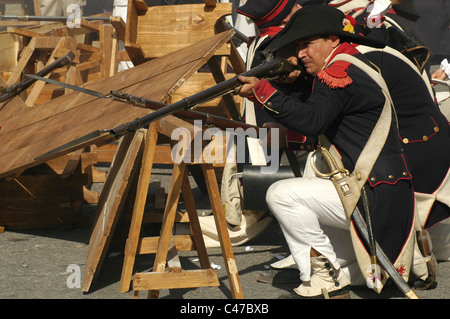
(291, 77)
(248, 83)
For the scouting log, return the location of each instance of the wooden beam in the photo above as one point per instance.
(111, 201)
(39, 85)
(149, 245)
(141, 6)
(24, 59)
(183, 279)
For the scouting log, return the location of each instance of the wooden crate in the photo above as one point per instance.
(153, 32)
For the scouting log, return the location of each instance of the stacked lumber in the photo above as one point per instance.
(52, 193)
(49, 193)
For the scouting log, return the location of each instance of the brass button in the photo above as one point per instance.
(405, 174)
(373, 179)
(391, 177)
(269, 103)
(425, 138)
(436, 129)
(262, 97)
(405, 140)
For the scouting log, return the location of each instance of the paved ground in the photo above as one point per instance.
(44, 264)
(39, 264)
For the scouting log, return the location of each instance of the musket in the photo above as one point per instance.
(364, 230)
(13, 90)
(241, 37)
(268, 70)
(271, 70)
(207, 118)
(51, 18)
(120, 96)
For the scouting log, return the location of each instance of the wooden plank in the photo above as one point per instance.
(149, 245)
(26, 33)
(111, 203)
(131, 25)
(39, 85)
(165, 29)
(29, 134)
(119, 25)
(9, 50)
(106, 46)
(24, 59)
(184, 279)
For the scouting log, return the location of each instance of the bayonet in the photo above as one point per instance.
(68, 86)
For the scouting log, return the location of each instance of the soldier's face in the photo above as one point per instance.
(313, 52)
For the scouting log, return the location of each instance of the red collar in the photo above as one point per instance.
(344, 48)
(270, 31)
(335, 75)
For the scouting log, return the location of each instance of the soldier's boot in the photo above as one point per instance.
(425, 264)
(326, 282)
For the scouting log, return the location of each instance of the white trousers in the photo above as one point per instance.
(311, 215)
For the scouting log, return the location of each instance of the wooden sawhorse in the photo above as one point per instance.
(166, 245)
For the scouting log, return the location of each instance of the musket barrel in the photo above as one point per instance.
(208, 119)
(19, 87)
(50, 18)
(270, 69)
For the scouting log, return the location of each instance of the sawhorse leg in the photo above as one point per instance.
(222, 230)
(138, 209)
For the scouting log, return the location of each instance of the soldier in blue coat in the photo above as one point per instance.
(344, 105)
(423, 129)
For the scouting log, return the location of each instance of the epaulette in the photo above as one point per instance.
(335, 76)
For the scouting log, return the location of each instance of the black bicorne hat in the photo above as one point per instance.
(319, 20)
(266, 13)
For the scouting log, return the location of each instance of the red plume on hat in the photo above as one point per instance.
(266, 13)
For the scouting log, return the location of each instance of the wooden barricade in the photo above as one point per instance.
(152, 32)
(53, 193)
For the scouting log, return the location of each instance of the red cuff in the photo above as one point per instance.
(293, 137)
(263, 91)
